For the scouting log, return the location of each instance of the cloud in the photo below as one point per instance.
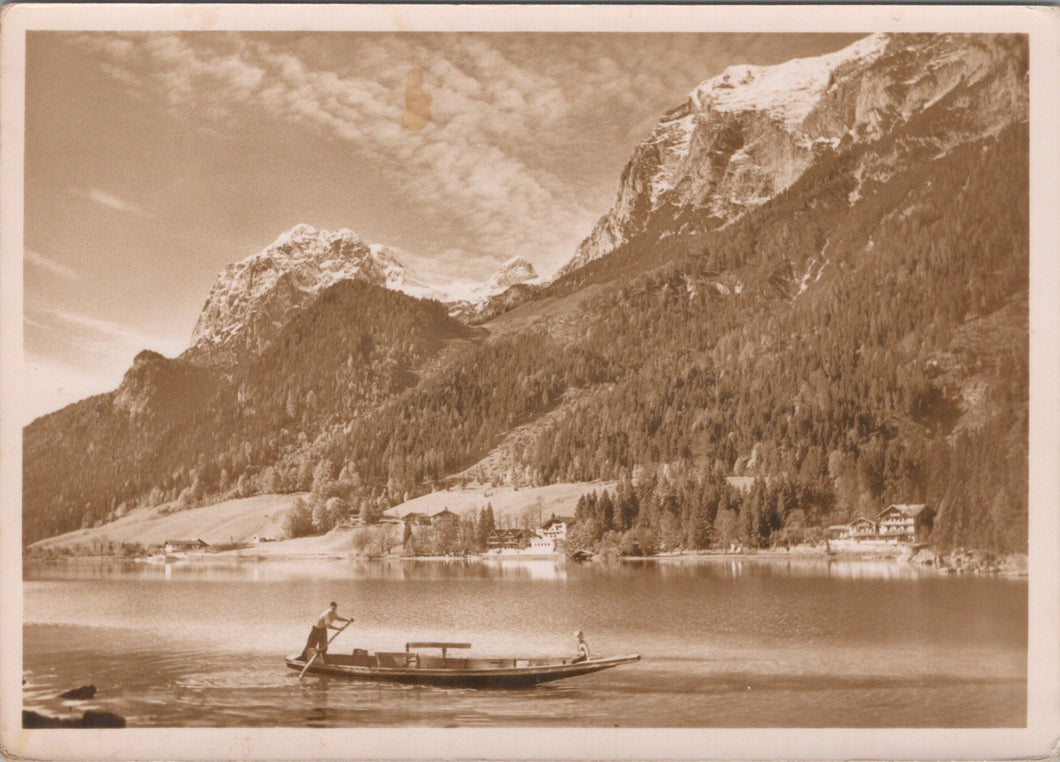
(115, 333)
(78, 356)
(510, 112)
(38, 260)
(109, 200)
(469, 168)
(73, 333)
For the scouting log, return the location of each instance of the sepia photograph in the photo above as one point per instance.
(596, 374)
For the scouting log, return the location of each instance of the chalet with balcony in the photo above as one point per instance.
(901, 522)
(897, 523)
(509, 539)
(858, 529)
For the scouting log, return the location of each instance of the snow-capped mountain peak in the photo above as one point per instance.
(256, 296)
(787, 92)
(747, 134)
(515, 270)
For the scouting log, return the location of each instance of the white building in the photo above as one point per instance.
(555, 529)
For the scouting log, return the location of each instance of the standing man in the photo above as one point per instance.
(583, 648)
(318, 636)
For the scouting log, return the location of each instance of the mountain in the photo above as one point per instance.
(843, 321)
(256, 296)
(515, 271)
(514, 283)
(747, 134)
(176, 430)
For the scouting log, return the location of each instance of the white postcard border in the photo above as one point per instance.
(1039, 739)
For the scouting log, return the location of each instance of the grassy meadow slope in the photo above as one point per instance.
(234, 521)
(228, 521)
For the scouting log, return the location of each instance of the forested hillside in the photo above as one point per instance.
(223, 434)
(903, 366)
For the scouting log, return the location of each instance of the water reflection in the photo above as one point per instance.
(230, 568)
(728, 567)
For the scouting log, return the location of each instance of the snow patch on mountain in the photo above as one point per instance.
(787, 92)
(254, 298)
(744, 136)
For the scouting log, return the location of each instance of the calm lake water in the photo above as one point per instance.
(748, 643)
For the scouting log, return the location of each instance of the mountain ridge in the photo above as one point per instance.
(745, 135)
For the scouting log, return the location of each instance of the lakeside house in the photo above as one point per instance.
(185, 546)
(555, 529)
(546, 540)
(905, 523)
(509, 539)
(897, 523)
(444, 516)
(542, 545)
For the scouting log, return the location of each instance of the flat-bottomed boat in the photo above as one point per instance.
(411, 666)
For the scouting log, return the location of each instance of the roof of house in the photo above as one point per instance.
(558, 520)
(909, 510)
(514, 532)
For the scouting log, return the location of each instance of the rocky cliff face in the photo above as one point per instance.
(516, 270)
(254, 298)
(744, 136)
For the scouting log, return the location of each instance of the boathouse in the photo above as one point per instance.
(185, 546)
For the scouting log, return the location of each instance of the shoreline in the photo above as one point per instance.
(691, 557)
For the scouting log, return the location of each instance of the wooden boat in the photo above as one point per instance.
(411, 666)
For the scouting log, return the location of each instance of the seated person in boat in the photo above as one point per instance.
(583, 648)
(318, 636)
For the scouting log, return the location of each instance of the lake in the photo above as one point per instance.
(725, 643)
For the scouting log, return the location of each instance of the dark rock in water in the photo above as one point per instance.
(84, 692)
(90, 719)
(93, 719)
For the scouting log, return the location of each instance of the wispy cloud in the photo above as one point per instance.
(110, 200)
(75, 355)
(36, 259)
(470, 169)
(510, 112)
(104, 335)
(120, 333)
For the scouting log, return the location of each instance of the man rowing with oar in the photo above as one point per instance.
(318, 636)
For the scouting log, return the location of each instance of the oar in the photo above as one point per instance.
(308, 663)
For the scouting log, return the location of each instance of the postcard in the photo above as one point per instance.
(529, 382)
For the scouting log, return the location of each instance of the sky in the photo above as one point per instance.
(154, 159)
